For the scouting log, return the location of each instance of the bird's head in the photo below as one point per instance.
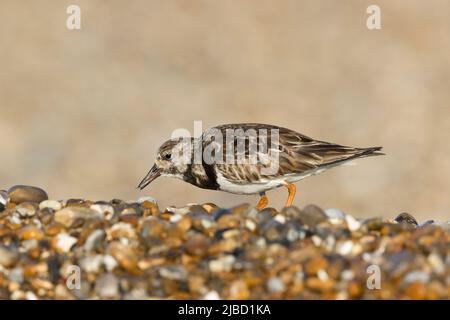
(173, 159)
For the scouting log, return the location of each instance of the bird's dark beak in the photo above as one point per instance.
(154, 173)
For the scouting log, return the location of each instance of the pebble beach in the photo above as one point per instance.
(85, 249)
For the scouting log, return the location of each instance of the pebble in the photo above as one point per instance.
(197, 245)
(352, 223)
(69, 216)
(437, 263)
(211, 295)
(50, 204)
(107, 286)
(315, 264)
(125, 256)
(335, 216)
(26, 209)
(174, 272)
(18, 194)
(8, 257)
(122, 230)
(222, 264)
(63, 242)
(147, 198)
(4, 198)
(94, 240)
(103, 209)
(275, 285)
(416, 291)
(30, 232)
(132, 250)
(416, 276)
(312, 215)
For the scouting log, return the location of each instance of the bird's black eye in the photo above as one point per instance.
(167, 156)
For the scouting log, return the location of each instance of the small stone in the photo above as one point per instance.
(70, 216)
(211, 295)
(344, 247)
(335, 216)
(26, 209)
(50, 204)
(152, 228)
(197, 245)
(94, 240)
(29, 295)
(174, 272)
(62, 243)
(416, 276)
(406, 218)
(21, 193)
(122, 230)
(4, 198)
(107, 286)
(30, 232)
(228, 221)
(184, 224)
(104, 209)
(373, 224)
(275, 285)
(217, 214)
(315, 264)
(273, 231)
(130, 210)
(8, 257)
(147, 198)
(181, 210)
(222, 264)
(320, 285)
(54, 228)
(16, 275)
(436, 262)
(239, 290)
(109, 262)
(210, 207)
(176, 217)
(416, 291)
(202, 222)
(125, 256)
(352, 223)
(131, 219)
(91, 264)
(310, 216)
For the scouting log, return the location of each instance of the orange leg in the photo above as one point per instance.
(263, 202)
(291, 189)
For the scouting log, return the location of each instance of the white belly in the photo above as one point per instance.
(254, 188)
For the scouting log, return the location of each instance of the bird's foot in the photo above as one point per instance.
(263, 202)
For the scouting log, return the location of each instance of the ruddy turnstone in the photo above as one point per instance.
(249, 158)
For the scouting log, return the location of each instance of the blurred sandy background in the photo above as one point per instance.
(82, 113)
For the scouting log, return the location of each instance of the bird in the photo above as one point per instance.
(249, 158)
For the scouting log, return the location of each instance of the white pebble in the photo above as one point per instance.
(275, 285)
(146, 198)
(280, 218)
(352, 223)
(211, 295)
(51, 204)
(222, 264)
(64, 242)
(175, 218)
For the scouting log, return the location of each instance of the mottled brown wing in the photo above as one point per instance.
(297, 153)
